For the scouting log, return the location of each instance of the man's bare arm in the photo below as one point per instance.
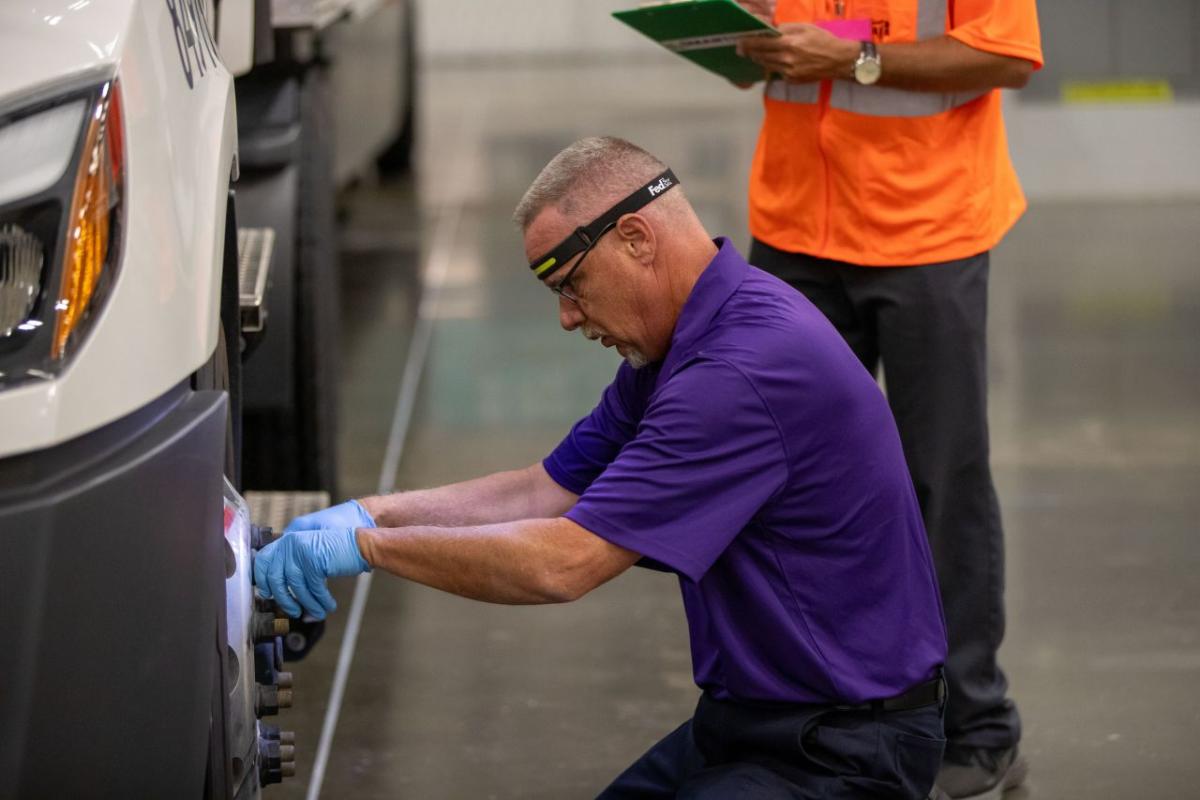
(523, 562)
(527, 493)
(807, 53)
(945, 64)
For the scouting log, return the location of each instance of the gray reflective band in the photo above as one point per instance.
(880, 101)
(931, 18)
(794, 92)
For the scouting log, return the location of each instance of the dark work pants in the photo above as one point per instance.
(733, 751)
(927, 327)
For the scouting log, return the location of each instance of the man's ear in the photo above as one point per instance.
(637, 238)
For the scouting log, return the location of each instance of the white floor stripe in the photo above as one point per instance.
(414, 365)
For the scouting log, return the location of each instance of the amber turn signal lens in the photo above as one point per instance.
(97, 192)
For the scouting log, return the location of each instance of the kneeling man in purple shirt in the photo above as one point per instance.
(742, 446)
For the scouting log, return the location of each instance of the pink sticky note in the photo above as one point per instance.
(856, 30)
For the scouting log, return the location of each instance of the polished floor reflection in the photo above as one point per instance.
(1096, 440)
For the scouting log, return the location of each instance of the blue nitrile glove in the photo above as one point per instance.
(349, 514)
(295, 566)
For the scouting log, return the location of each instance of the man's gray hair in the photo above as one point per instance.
(593, 172)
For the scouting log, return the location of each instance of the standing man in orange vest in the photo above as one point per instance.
(880, 183)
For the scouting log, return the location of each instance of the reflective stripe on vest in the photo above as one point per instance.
(882, 101)
(794, 92)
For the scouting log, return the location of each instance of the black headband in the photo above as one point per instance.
(583, 236)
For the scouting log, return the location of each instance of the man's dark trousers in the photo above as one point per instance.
(927, 326)
(738, 751)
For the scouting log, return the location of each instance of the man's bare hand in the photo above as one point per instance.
(803, 54)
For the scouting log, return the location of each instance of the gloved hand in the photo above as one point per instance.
(295, 566)
(349, 514)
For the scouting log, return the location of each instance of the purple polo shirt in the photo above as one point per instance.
(760, 461)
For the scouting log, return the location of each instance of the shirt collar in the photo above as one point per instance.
(719, 280)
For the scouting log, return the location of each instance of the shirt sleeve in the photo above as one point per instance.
(1003, 27)
(595, 440)
(707, 457)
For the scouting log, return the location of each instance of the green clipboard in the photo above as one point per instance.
(704, 32)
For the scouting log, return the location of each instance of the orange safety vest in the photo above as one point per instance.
(885, 177)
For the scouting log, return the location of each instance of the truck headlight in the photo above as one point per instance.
(61, 188)
(21, 257)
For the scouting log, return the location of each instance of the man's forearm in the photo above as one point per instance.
(806, 53)
(501, 497)
(516, 563)
(945, 64)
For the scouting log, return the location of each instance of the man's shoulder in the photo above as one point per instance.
(763, 296)
(710, 398)
(784, 346)
(767, 322)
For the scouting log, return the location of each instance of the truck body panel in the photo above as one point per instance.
(160, 322)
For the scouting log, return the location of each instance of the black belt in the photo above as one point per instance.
(932, 692)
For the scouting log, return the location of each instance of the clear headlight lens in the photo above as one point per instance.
(61, 190)
(21, 259)
(36, 150)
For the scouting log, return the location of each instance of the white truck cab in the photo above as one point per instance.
(137, 661)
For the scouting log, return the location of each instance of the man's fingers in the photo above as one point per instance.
(262, 561)
(756, 47)
(293, 572)
(321, 592)
(799, 29)
(773, 65)
(775, 61)
(279, 587)
(299, 586)
(301, 524)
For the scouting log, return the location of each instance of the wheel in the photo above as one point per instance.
(215, 375)
(317, 321)
(293, 446)
(222, 372)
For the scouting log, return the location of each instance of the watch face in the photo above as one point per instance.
(867, 71)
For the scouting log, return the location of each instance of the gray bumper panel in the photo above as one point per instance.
(111, 591)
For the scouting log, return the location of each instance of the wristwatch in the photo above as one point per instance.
(868, 67)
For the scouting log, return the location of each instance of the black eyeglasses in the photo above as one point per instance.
(563, 288)
(584, 238)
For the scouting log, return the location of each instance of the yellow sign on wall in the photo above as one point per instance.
(1149, 90)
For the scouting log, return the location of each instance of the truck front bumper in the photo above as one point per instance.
(111, 601)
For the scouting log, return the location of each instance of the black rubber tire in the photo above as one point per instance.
(296, 448)
(214, 375)
(317, 314)
(222, 372)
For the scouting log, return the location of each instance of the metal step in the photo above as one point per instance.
(277, 509)
(255, 246)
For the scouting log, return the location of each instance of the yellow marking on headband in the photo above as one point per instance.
(545, 265)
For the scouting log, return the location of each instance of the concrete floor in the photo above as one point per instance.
(1095, 407)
